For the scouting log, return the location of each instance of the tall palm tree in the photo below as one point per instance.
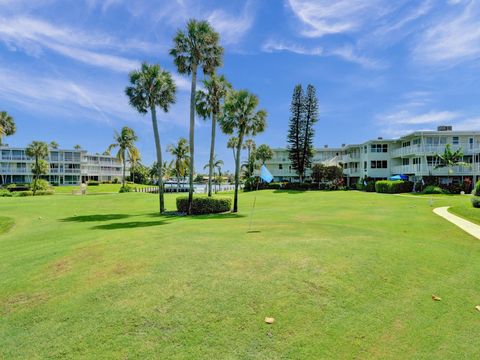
(250, 146)
(134, 160)
(125, 142)
(78, 147)
(208, 105)
(181, 159)
(264, 153)
(232, 144)
(38, 150)
(7, 125)
(215, 163)
(240, 115)
(196, 47)
(151, 87)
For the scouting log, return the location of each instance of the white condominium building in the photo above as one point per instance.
(413, 155)
(67, 167)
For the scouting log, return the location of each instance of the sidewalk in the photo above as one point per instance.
(465, 225)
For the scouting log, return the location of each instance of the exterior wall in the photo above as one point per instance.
(412, 155)
(67, 167)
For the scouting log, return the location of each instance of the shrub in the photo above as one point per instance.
(393, 187)
(125, 189)
(93, 183)
(24, 193)
(432, 189)
(476, 201)
(115, 181)
(11, 186)
(476, 190)
(41, 184)
(44, 192)
(5, 193)
(204, 205)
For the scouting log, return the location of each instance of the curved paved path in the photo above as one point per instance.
(465, 225)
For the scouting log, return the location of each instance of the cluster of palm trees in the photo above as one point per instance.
(197, 48)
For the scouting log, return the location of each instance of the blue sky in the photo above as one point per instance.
(380, 67)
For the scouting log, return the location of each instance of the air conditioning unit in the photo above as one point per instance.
(444, 128)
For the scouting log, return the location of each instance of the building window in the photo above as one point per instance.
(365, 149)
(365, 166)
(416, 141)
(280, 167)
(406, 161)
(406, 144)
(378, 148)
(379, 164)
(455, 140)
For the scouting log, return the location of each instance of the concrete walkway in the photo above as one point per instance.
(465, 225)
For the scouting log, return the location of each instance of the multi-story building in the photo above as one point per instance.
(414, 155)
(66, 167)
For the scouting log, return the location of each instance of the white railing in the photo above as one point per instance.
(433, 149)
(430, 169)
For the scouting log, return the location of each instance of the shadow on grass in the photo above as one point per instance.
(294, 192)
(129, 225)
(98, 217)
(199, 217)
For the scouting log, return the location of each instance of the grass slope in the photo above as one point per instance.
(344, 274)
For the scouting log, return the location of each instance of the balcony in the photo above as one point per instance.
(433, 149)
(422, 169)
(352, 172)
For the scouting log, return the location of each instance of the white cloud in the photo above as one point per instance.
(272, 46)
(323, 17)
(232, 28)
(453, 39)
(405, 117)
(347, 52)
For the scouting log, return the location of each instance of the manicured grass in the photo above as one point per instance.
(99, 189)
(345, 275)
(466, 211)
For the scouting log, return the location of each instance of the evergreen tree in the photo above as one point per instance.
(295, 133)
(310, 108)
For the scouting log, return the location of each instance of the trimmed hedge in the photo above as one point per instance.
(431, 189)
(93, 183)
(476, 201)
(393, 187)
(44, 192)
(204, 205)
(24, 193)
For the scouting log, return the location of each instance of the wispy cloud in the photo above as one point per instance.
(405, 117)
(453, 38)
(346, 52)
(232, 28)
(325, 17)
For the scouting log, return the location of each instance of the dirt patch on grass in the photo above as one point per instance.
(22, 301)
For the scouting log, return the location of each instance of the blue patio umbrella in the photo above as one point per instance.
(399, 177)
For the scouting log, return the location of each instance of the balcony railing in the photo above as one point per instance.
(422, 169)
(423, 149)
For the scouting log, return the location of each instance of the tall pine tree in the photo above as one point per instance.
(310, 108)
(295, 133)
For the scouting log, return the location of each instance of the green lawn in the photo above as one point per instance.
(100, 189)
(466, 211)
(345, 275)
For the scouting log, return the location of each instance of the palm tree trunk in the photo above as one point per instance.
(192, 137)
(212, 153)
(159, 157)
(178, 184)
(237, 173)
(123, 175)
(35, 177)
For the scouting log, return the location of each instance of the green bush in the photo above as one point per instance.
(204, 205)
(125, 189)
(44, 192)
(5, 193)
(115, 181)
(93, 183)
(476, 201)
(24, 193)
(11, 186)
(393, 187)
(432, 189)
(476, 190)
(41, 184)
